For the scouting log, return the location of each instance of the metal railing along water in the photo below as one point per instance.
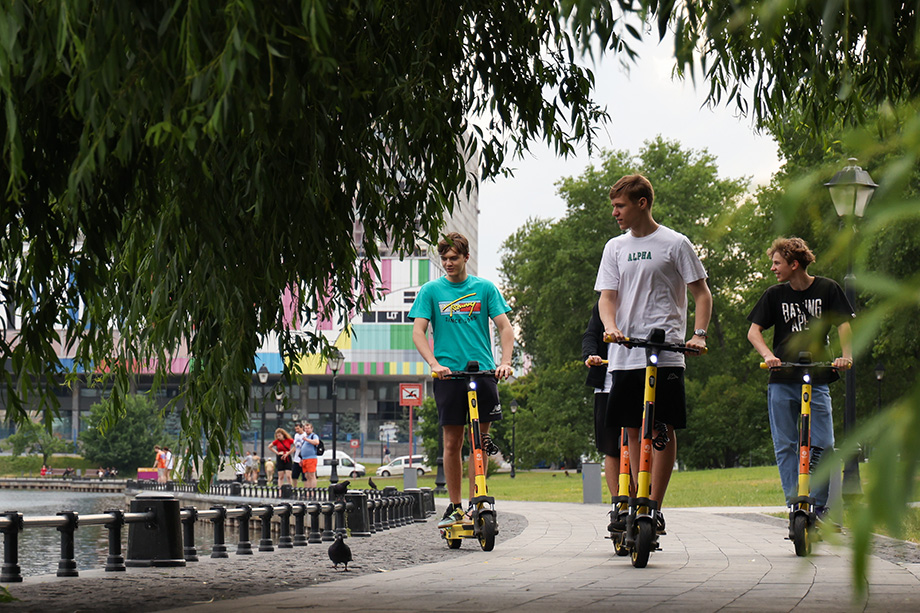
(156, 521)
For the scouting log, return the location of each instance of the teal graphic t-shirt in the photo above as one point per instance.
(458, 315)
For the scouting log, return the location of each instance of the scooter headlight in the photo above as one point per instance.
(472, 385)
(806, 378)
(653, 359)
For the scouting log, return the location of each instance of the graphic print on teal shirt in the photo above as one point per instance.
(460, 306)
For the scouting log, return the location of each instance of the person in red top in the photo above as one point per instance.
(283, 446)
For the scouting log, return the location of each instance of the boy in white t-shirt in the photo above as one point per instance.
(643, 279)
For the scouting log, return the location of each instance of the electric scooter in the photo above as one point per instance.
(802, 517)
(640, 536)
(621, 501)
(483, 524)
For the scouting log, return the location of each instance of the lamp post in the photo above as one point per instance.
(514, 408)
(850, 191)
(263, 379)
(335, 363)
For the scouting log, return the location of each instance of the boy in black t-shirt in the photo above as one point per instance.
(801, 308)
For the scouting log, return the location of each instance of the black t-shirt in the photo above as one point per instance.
(802, 320)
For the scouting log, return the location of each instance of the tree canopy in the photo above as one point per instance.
(128, 445)
(833, 59)
(170, 168)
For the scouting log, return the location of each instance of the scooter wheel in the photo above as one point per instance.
(487, 531)
(801, 537)
(645, 535)
(454, 543)
(619, 544)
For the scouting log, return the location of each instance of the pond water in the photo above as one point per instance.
(40, 548)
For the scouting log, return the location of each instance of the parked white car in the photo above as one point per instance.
(400, 464)
(347, 465)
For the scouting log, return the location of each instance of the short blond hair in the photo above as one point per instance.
(634, 187)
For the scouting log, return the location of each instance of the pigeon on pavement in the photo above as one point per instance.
(339, 551)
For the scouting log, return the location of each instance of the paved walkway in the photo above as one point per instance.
(711, 560)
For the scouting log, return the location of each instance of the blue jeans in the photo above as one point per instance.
(784, 402)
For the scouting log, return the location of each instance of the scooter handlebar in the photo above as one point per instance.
(463, 374)
(763, 365)
(644, 342)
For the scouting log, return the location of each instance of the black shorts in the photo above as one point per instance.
(453, 407)
(627, 398)
(295, 470)
(607, 440)
(283, 463)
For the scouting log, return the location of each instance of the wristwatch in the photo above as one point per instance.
(701, 332)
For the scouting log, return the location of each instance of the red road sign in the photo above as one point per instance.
(410, 394)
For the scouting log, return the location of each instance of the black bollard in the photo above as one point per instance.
(389, 507)
(315, 535)
(265, 522)
(287, 492)
(115, 562)
(378, 513)
(339, 508)
(326, 509)
(10, 571)
(244, 547)
(358, 519)
(300, 537)
(417, 506)
(284, 520)
(370, 516)
(219, 549)
(157, 542)
(386, 511)
(67, 567)
(236, 489)
(428, 495)
(188, 534)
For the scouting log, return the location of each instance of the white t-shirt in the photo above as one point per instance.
(298, 442)
(650, 275)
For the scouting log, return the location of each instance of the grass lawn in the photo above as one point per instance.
(758, 486)
(30, 465)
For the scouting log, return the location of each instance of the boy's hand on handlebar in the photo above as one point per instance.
(503, 371)
(773, 362)
(614, 335)
(439, 372)
(698, 344)
(594, 360)
(843, 363)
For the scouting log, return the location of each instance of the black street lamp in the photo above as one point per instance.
(263, 379)
(850, 190)
(514, 408)
(335, 363)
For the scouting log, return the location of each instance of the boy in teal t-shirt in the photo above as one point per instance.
(458, 307)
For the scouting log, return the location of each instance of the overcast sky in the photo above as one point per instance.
(642, 103)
